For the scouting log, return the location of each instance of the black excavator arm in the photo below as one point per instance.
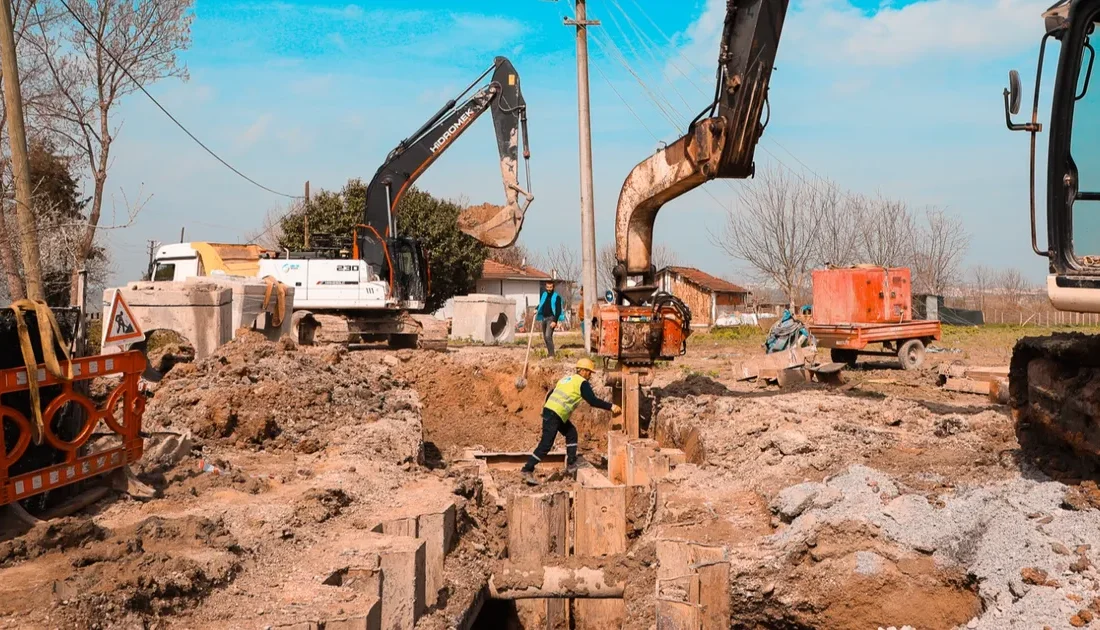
(720, 142)
(495, 226)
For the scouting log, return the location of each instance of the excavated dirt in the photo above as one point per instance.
(254, 393)
(472, 400)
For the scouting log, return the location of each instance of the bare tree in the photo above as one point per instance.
(661, 256)
(30, 19)
(775, 229)
(1012, 286)
(842, 216)
(938, 250)
(982, 279)
(516, 256)
(142, 37)
(887, 233)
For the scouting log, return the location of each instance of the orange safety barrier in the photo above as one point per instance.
(75, 467)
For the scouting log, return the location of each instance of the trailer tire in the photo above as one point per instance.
(911, 354)
(844, 355)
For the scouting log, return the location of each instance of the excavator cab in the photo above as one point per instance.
(1054, 381)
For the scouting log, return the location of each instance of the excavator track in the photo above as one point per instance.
(1054, 388)
(416, 331)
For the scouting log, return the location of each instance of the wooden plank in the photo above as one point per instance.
(638, 464)
(537, 525)
(677, 616)
(592, 478)
(515, 461)
(600, 521)
(632, 393)
(599, 614)
(967, 386)
(714, 596)
(616, 456)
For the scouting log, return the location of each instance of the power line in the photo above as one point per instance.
(141, 87)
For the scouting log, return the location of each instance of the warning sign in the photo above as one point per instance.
(120, 327)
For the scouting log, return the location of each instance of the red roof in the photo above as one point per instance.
(705, 280)
(495, 270)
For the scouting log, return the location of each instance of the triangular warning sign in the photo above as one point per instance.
(120, 326)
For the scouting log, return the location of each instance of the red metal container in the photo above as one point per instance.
(862, 295)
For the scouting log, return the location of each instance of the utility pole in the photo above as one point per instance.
(305, 218)
(13, 104)
(152, 252)
(584, 125)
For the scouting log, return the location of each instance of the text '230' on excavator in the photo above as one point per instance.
(374, 284)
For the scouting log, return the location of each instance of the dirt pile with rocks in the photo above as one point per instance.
(156, 567)
(253, 393)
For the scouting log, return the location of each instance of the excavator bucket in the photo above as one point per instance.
(499, 226)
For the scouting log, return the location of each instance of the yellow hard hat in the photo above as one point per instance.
(586, 364)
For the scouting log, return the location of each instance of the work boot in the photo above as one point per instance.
(529, 478)
(571, 469)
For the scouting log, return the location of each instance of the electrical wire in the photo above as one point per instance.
(141, 87)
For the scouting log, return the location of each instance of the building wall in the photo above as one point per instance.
(697, 299)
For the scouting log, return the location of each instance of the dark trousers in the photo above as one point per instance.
(552, 425)
(548, 336)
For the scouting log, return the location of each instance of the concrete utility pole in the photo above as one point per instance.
(584, 124)
(21, 171)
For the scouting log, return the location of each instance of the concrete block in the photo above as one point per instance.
(199, 311)
(248, 304)
(400, 527)
(484, 318)
(437, 532)
(371, 620)
(403, 572)
(639, 454)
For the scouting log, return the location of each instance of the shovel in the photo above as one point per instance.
(521, 381)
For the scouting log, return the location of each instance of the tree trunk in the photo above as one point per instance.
(84, 247)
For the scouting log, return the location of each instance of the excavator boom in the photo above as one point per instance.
(642, 325)
(720, 142)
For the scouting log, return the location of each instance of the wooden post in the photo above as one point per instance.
(305, 218)
(600, 521)
(631, 403)
(696, 576)
(639, 454)
(616, 456)
(20, 165)
(537, 528)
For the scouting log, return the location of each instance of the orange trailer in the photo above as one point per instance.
(854, 308)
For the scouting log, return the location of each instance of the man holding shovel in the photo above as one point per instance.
(559, 406)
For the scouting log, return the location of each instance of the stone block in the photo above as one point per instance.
(437, 532)
(371, 620)
(484, 318)
(403, 573)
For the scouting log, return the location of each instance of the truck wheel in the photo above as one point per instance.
(911, 354)
(843, 355)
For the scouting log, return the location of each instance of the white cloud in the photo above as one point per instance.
(318, 85)
(255, 132)
(296, 140)
(826, 32)
(337, 40)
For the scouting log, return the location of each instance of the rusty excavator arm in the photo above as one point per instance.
(720, 142)
(641, 324)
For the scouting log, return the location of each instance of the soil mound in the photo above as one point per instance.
(255, 393)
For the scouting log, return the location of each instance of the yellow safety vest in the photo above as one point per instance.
(565, 397)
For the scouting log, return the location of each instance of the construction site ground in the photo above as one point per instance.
(884, 501)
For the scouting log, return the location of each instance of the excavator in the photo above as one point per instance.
(1054, 381)
(373, 284)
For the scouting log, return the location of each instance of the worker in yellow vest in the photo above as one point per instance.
(559, 406)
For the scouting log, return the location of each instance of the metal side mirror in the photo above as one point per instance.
(1013, 92)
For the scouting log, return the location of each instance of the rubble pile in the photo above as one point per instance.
(258, 394)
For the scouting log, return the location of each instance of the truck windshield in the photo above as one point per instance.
(165, 272)
(1085, 152)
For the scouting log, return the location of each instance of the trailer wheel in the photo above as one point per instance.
(843, 355)
(911, 354)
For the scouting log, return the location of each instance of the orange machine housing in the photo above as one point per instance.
(631, 334)
(862, 295)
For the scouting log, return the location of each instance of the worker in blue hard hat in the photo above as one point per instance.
(556, 411)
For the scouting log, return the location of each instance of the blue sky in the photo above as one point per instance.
(902, 98)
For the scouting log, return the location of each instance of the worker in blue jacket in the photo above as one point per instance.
(551, 310)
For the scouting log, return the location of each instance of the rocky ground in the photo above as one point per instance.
(883, 502)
